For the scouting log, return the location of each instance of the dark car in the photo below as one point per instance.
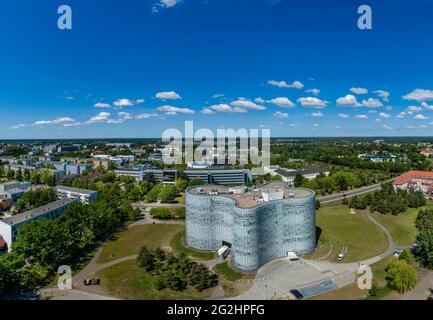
(297, 294)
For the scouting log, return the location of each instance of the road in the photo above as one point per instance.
(350, 194)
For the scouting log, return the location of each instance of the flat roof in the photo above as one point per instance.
(31, 214)
(249, 198)
(76, 190)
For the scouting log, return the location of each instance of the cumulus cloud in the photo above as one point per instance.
(384, 95)
(387, 127)
(18, 126)
(102, 105)
(419, 95)
(283, 84)
(281, 115)
(207, 111)
(426, 106)
(348, 101)
(343, 115)
(101, 117)
(173, 111)
(224, 107)
(317, 114)
(384, 115)
(361, 116)
(282, 102)
(120, 103)
(412, 109)
(372, 103)
(313, 91)
(168, 95)
(359, 90)
(311, 102)
(420, 117)
(143, 116)
(164, 4)
(246, 104)
(401, 115)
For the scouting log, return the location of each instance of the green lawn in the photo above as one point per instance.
(339, 228)
(225, 270)
(128, 281)
(131, 240)
(177, 244)
(402, 226)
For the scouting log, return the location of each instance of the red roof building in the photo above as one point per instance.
(417, 180)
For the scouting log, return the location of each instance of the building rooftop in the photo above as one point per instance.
(251, 197)
(31, 214)
(413, 174)
(76, 190)
(307, 170)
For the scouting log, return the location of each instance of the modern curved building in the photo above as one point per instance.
(259, 225)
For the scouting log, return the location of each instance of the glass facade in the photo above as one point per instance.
(259, 234)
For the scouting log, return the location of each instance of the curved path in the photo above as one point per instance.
(277, 278)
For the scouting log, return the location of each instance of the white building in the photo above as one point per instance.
(9, 226)
(310, 173)
(83, 195)
(13, 190)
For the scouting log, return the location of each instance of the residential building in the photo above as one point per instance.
(83, 195)
(416, 180)
(72, 168)
(9, 226)
(378, 157)
(13, 190)
(428, 152)
(73, 148)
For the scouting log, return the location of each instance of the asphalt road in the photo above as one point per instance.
(350, 194)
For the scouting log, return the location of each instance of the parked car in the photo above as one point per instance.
(298, 295)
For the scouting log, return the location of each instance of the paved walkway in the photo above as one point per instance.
(423, 289)
(275, 279)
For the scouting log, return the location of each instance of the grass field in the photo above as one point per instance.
(128, 281)
(131, 240)
(402, 226)
(225, 270)
(339, 228)
(177, 244)
(228, 279)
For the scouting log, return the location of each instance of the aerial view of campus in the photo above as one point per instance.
(235, 153)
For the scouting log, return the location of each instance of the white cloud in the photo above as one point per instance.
(102, 105)
(259, 100)
(293, 125)
(218, 95)
(359, 90)
(173, 111)
(283, 84)
(60, 120)
(383, 94)
(223, 107)
(146, 116)
(120, 103)
(139, 101)
(361, 116)
(164, 4)
(401, 115)
(281, 115)
(246, 104)
(168, 95)
(420, 117)
(343, 115)
(101, 117)
(317, 114)
(207, 111)
(384, 115)
(387, 127)
(419, 95)
(282, 102)
(313, 91)
(348, 101)
(311, 102)
(417, 127)
(18, 126)
(413, 109)
(372, 103)
(426, 106)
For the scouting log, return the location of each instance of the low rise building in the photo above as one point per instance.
(141, 173)
(416, 180)
(83, 195)
(14, 190)
(9, 226)
(310, 173)
(220, 176)
(428, 152)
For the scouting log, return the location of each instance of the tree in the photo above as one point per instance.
(298, 180)
(196, 182)
(181, 185)
(406, 256)
(401, 276)
(146, 260)
(153, 194)
(168, 194)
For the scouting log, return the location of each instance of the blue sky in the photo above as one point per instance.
(135, 68)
